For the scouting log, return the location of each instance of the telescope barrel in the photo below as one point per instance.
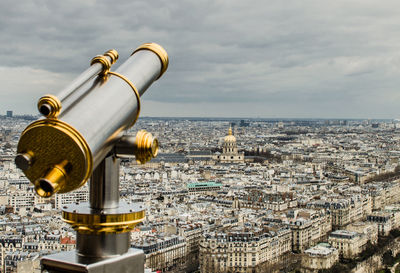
(96, 67)
(50, 106)
(59, 154)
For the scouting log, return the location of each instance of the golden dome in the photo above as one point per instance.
(230, 137)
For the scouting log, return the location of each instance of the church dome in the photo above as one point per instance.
(230, 137)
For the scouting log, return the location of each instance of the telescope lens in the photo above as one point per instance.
(23, 161)
(45, 109)
(49, 106)
(44, 188)
(53, 181)
(154, 147)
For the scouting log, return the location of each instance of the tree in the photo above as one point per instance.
(388, 258)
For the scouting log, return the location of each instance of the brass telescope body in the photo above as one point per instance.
(83, 124)
(82, 137)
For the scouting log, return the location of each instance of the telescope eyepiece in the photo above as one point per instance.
(45, 109)
(24, 160)
(44, 188)
(49, 106)
(143, 146)
(53, 181)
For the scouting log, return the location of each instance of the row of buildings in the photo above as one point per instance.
(279, 195)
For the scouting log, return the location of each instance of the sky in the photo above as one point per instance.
(228, 58)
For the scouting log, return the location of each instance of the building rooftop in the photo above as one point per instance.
(204, 184)
(322, 249)
(345, 234)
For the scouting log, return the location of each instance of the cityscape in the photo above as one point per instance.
(199, 136)
(232, 195)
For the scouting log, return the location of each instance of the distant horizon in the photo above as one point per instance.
(237, 118)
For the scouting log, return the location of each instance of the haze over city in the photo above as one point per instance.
(294, 59)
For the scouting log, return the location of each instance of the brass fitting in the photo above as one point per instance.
(24, 160)
(161, 53)
(113, 54)
(49, 106)
(106, 62)
(146, 146)
(143, 146)
(53, 181)
(121, 220)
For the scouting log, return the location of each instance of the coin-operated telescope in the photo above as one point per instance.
(82, 137)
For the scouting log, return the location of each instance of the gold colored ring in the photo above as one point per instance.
(113, 54)
(134, 90)
(103, 223)
(147, 146)
(53, 102)
(161, 53)
(104, 61)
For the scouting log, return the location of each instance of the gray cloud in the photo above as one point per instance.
(227, 58)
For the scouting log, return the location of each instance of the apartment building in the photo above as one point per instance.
(349, 243)
(242, 249)
(308, 228)
(385, 221)
(319, 257)
(78, 196)
(192, 234)
(163, 253)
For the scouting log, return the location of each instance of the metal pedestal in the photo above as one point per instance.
(63, 262)
(103, 229)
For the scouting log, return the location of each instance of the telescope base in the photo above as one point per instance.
(130, 262)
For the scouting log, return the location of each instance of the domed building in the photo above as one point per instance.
(230, 152)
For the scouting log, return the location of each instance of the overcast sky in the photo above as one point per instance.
(300, 58)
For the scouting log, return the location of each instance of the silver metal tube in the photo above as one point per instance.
(105, 112)
(50, 106)
(96, 247)
(88, 74)
(104, 185)
(126, 146)
(96, 68)
(79, 94)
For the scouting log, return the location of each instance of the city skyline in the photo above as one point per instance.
(33, 116)
(264, 59)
